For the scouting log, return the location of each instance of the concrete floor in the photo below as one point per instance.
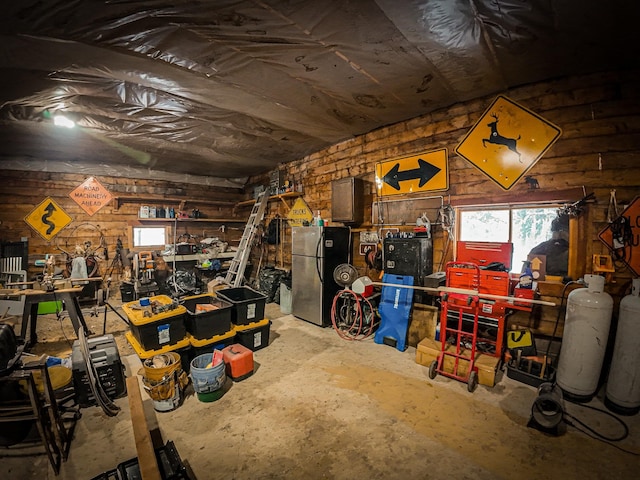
(320, 407)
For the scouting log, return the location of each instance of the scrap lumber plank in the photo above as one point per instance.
(144, 445)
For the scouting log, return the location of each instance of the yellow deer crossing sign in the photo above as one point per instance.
(507, 141)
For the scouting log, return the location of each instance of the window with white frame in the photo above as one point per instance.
(149, 236)
(525, 227)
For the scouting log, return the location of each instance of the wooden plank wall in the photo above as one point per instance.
(599, 150)
(22, 191)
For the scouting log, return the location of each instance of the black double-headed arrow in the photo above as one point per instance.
(424, 172)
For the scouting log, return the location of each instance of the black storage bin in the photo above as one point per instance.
(127, 292)
(255, 335)
(169, 463)
(207, 324)
(248, 305)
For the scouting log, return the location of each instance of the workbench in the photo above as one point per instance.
(30, 312)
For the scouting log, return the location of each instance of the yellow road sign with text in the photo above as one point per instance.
(48, 219)
(299, 213)
(507, 141)
(91, 195)
(425, 172)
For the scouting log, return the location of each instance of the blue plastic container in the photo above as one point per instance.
(207, 381)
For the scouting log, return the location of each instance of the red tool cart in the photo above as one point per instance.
(474, 323)
(458, 341)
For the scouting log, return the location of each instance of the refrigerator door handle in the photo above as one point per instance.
(320, 240)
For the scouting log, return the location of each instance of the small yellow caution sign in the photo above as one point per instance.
(299, 213)
(425, 172)
(48, 219)
(507, 141)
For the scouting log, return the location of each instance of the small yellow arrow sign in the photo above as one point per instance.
(424, 172)
(536, 263)
(48, 219)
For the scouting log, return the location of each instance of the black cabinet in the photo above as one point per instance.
(409, 256)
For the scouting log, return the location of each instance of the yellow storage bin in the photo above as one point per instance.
(158, 324)
(200, 347)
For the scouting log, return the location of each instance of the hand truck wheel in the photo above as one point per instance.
(433, 369)
(472, 383)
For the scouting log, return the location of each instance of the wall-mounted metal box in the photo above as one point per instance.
(276, 182)
(347, 200)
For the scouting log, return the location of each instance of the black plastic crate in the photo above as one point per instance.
(255, 335)
(169, 463)
(535, 378)
(207, 324)
(127, 292)
(248, 304)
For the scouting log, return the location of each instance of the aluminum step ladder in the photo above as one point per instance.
(235, 274)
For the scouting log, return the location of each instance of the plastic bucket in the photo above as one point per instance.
(207, 380)
(160, 366)
(162, 380)
(285, 299)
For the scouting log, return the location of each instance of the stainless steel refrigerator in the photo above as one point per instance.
(315, 253)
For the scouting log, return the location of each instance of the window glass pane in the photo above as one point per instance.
(484, 226)
(148, 236)
(531, 227)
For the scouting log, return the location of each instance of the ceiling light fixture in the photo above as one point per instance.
(62, 121)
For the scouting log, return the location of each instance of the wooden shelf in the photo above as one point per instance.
(192, 220)
(282, 196)
(119, 200)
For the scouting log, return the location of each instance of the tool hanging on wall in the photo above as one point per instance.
(612, 209)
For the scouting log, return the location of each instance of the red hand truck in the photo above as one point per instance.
(452, 332)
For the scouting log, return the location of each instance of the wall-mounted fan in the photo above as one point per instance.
(345, 274)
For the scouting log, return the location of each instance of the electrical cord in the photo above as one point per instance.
(100, 396)
(59, 317)
(581, 426)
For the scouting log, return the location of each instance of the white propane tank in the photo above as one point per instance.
(623, 385)
(584, 341)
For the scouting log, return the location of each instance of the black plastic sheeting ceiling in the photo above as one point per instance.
(231, 88)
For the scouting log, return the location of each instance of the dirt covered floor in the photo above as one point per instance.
(320, 407)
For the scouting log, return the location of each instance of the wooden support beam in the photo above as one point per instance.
(144, 444)
(464, 291)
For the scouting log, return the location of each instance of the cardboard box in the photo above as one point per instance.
(424, 319)
(428, 350)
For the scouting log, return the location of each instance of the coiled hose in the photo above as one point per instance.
(351, 320)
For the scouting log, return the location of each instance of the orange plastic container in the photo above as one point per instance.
(239, 361)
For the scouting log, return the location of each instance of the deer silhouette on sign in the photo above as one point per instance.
(498, 139)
